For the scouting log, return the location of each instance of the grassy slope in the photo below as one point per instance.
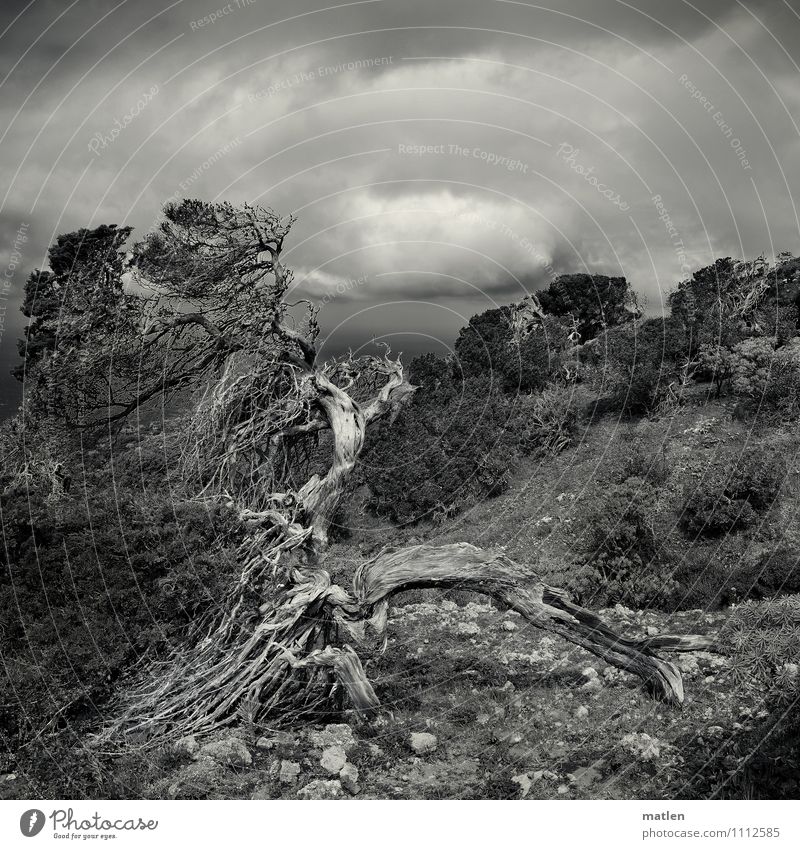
(514, 711)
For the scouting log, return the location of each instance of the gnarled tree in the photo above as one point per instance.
(285, 637)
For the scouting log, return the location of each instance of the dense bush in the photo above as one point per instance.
(444, 451)
(621, 545)
(733, 493)
(636, 366)
(551, 421)
(492, 346)
(775, 573)
(91, 584)
(594, 301)
(766, 378)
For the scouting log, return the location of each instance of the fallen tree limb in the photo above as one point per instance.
(466, 567)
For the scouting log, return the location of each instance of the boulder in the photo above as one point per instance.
(289, 772)
(333, 759)
(228, 752)
(334, 735)
(279, 738)
(187, 747)
(422, 742)
(321, 789)
(348, 776)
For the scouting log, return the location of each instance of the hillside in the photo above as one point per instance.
(515, 713)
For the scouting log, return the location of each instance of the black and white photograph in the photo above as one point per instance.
(400, 402)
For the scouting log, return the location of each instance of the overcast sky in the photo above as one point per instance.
(442, 156)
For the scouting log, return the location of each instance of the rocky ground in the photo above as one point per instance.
(481, 705)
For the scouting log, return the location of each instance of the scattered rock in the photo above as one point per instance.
(348, 776)
(544, 774)
(593, 681)
(562, 789)
(642, 746)
(524, 781)
(468, 629)
(279, 738)
(687, 663)
(262, 792)
(321, 789)
(652, 631)
(508, 625)
(482, 718)
(188, 747)
(585, 776)
(289, 772)
(423, 743)
(335, 735)
(582, 712)
(228, 752)
(333, 759)
(196, 778)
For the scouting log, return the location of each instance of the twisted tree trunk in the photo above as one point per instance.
(279, 659)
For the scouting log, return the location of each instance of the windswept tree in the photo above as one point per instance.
(284, 638)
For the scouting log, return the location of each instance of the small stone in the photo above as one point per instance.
(348, 776)
(524, 781)
(321, 789)
(468, 629)
(187, 746)
(562, 789)
(652, 631)
(642, 746)
(262, 792)
(582, 712)
(333, 759)
(482, 718)
(279, 738)
(422, 742)
(593, 685)
(585, 776)
(508, 625)
(228, 752)
(289, 772)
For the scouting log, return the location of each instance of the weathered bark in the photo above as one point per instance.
(270, 653)
(466, 567)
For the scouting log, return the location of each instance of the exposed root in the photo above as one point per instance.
(279, 667)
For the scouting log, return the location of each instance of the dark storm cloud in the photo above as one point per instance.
(454, 154)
